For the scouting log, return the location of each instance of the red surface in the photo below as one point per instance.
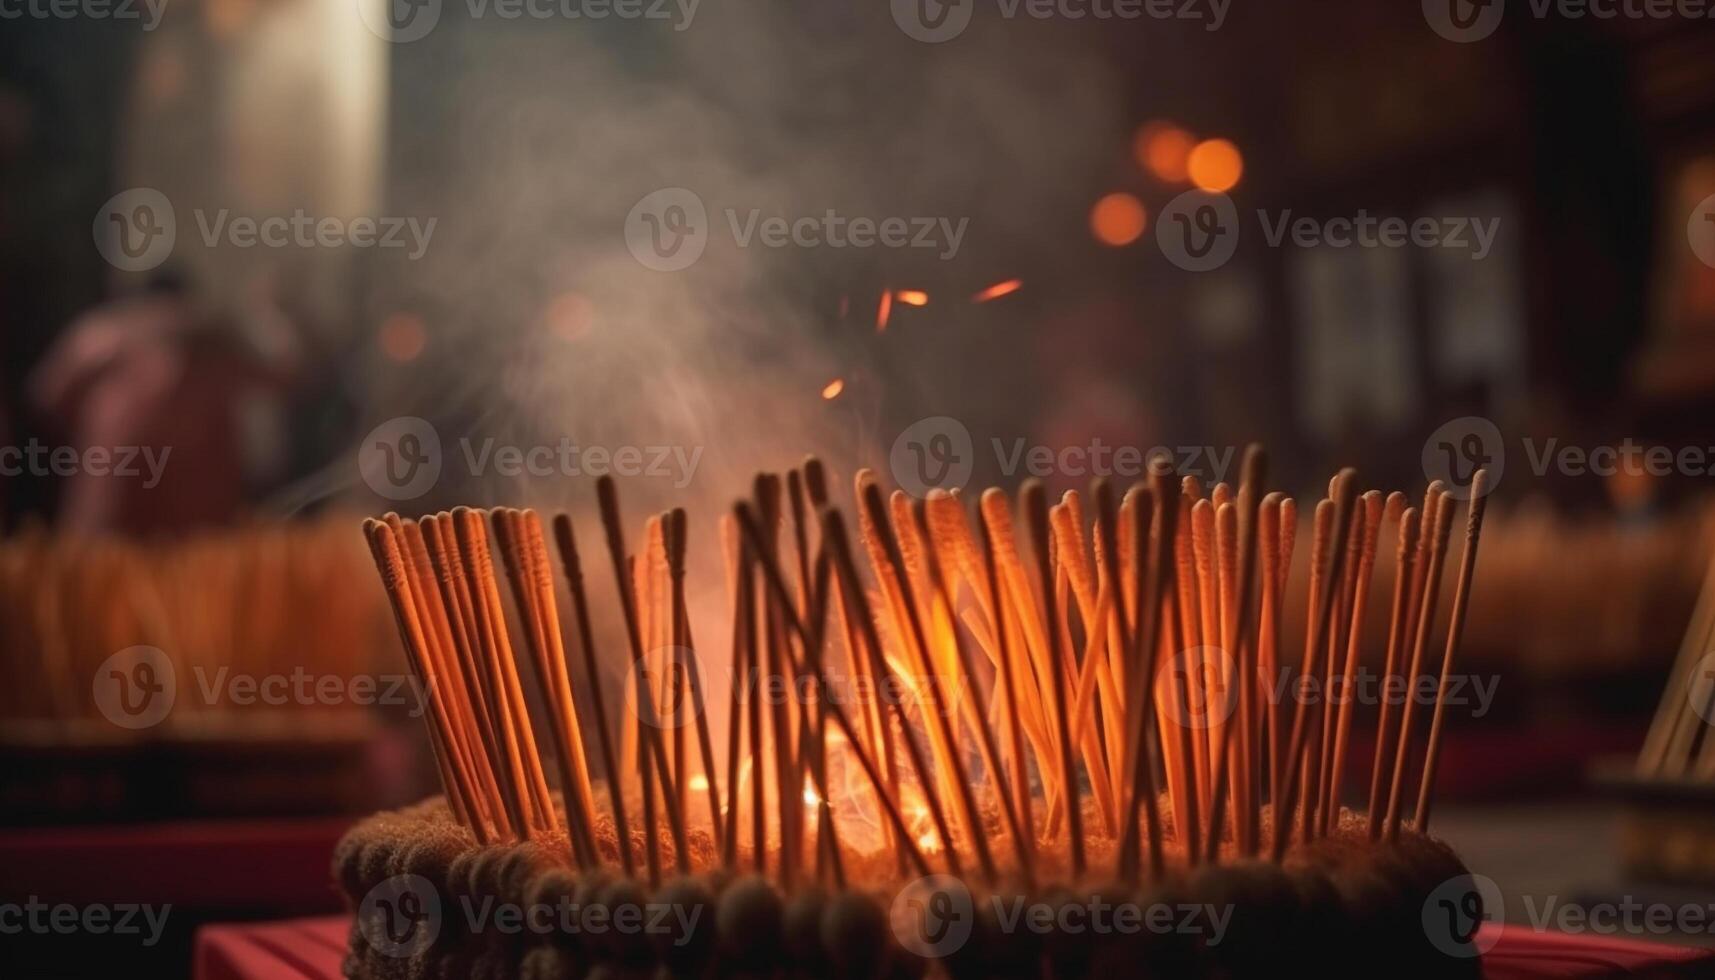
(278, 864)
(311, 949)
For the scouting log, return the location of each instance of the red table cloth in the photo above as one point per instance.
(311, 949)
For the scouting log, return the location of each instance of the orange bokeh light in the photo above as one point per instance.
(1118, 219)
(1164, 150)
(913, 297)
(833, 388)
(1216, 165)
(402, 337)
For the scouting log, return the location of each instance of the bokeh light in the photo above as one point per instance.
(1216, 165)
(1118, 219)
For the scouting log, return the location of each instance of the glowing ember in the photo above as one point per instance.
(833, 388)
(884, 311)
(1216, 165)
(999, 289)
(402, 337)
(913, 297)
(1164, 150)
(1118, 219)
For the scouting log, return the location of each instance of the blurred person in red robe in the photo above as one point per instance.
(154, 376)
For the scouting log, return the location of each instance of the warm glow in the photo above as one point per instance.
(1216, 165)
(833, 388)
(569, 315)
(811, 798)
(402, 337)
(699, 783)
(927, 841)
(1164, 150)
(1117, 219)
(913, 297)
(884, 311)
(998, 290)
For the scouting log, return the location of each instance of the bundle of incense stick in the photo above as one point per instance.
(253, 601)
(1073, 677)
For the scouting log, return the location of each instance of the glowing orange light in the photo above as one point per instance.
(1216, 165)
(1164, 150)
(402, 337)
(833, 388)
(884, 311)
(998, 290)
(699, 783)
(913, 297)
(811, 797)
(570, 315)
(1118, 219)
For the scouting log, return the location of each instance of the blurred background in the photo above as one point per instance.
(265, 260)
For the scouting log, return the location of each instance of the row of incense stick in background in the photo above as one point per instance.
(1070, 674)
(261, 600)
